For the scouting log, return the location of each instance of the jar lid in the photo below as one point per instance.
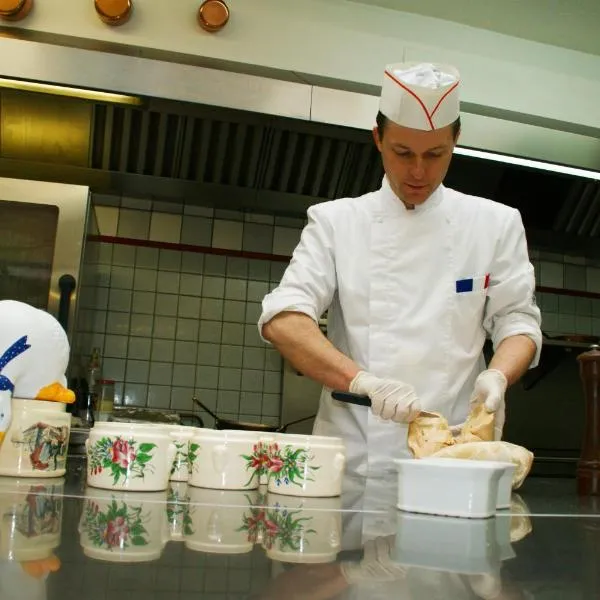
(592, 354)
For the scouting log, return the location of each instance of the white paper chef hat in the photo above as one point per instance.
(420, 95)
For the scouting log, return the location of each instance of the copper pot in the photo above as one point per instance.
(15, 10)
(114, 12)
(213, 15)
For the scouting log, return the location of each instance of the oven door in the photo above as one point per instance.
(42, 229)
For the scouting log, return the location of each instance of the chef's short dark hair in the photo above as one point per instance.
(381, 121)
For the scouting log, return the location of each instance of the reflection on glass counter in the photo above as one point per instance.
(186, 542)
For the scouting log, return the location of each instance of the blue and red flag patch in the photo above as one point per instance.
(473, 285)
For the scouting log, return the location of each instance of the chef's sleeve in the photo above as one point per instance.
(510, 308)
(309, 282)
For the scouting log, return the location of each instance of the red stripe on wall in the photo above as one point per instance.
(108, 239)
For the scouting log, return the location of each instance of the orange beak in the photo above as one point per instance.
(1, 437)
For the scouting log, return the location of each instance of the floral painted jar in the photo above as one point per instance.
(266, 439)
(124, 527)
(225, 460)
(31, 512)
(306, 465)
(177, 510)
(180, 471)
(302, 530)
(223, 521)
(37, 440)
(129, 456)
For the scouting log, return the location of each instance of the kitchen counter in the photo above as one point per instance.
(60, 540)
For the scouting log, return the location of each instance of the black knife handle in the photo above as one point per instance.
(351, 398)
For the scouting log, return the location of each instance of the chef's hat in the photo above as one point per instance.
(420, 95)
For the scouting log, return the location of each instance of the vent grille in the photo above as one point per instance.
(134, 141)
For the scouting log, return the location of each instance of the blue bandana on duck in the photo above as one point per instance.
(15, 350)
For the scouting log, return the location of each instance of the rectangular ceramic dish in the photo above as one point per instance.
(449, 487)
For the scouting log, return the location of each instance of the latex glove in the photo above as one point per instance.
(390, 399)
(376, 565)
(490, 388)
(456, 429)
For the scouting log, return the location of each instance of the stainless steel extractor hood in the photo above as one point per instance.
(281, 142)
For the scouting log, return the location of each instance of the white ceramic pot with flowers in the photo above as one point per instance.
(37, 440)
(302, 530)
(129, 457)
(223, 521)
(224, 459)
(182, 436)
(306, 465)
(30, 518)
(177, 510)
(124, 527)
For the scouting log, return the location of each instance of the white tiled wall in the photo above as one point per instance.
(563, 314)
(171, 324)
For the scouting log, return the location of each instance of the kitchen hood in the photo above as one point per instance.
(265, 144)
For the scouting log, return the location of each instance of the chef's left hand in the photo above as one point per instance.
(489, 389)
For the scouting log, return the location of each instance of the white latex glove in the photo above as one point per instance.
(390, 399)
(490, 388)
(376, 565)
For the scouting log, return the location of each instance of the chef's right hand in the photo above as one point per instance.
(390, 399)
(376, 565)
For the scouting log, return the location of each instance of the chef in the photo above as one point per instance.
(414, 277)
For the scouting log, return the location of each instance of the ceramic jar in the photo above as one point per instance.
(306, 465)
(31, 513)
(177, 510)
(124, 527)
(180, 471)
(450, 544)
(223, 521)
(129, 456)
(302, 530)
(266, 439)
(505, 486)
(449, 487)
(225, 460)
(37, 440)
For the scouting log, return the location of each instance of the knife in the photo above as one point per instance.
(360, 400)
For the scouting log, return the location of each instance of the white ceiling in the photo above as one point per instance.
(573, 24)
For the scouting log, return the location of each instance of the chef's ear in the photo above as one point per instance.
(456, 129)
(377, 138)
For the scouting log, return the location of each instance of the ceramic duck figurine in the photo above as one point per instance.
(34, 353)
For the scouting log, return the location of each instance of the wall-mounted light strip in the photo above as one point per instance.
(71, 92)
(526, 162)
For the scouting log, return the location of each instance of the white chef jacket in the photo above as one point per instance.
(411, 295)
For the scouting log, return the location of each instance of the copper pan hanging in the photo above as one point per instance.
(213, 15)
(15, 10)
(114, 12)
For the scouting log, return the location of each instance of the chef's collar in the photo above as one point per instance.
(398, 206)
